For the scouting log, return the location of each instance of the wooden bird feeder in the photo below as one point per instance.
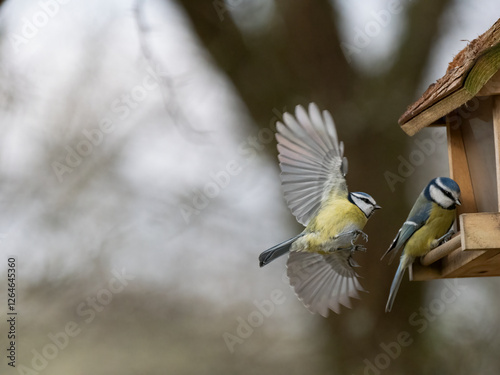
(467, 101)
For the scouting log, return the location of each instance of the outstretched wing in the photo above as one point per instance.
(417, 218)
(323, 282)
(311, 160)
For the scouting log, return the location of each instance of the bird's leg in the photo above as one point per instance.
(352, 248)
(354, 234)
(443, 239)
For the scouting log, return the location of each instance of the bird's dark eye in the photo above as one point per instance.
(447, 193)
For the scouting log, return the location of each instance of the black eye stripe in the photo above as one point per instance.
(364, 199)
(445, 192)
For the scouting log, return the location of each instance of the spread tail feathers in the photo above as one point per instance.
(404, 263)
(276, 251)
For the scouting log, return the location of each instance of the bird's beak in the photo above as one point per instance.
(377, 207)
(457, 201)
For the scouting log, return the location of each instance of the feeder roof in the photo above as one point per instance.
(466, 75)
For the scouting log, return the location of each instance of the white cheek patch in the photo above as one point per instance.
(440, 198)
(364, 207)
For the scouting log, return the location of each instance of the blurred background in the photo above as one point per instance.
(139, 183)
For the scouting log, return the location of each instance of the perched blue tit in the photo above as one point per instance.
(320, 264)
(428, 225)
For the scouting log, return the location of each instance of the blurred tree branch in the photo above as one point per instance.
(167, 83)
(259, 74)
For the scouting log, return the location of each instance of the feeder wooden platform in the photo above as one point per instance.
(474, 252)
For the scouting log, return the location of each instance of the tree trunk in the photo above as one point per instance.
(299, 59)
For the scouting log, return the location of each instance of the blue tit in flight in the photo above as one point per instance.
(320, 265)
(428, 225)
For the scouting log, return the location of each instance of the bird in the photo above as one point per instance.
(320, 266)
(428, 224)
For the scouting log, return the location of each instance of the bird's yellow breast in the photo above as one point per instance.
(437, 225)
(336, 216)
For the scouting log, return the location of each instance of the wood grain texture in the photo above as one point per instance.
(457, 73)
(480, 231)
(441, 251)
(459, 167)
(482, 70)
(477, 133)
(475, 252)
(423, 273)
(435, 113)
(471, 264)
(496, 135)
(492, 87)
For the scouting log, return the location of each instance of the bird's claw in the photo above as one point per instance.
(443, 239)
(447, 236)
(359, 233)
(358, 248)
(363, 235)
(354, 235)
(352, 248)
